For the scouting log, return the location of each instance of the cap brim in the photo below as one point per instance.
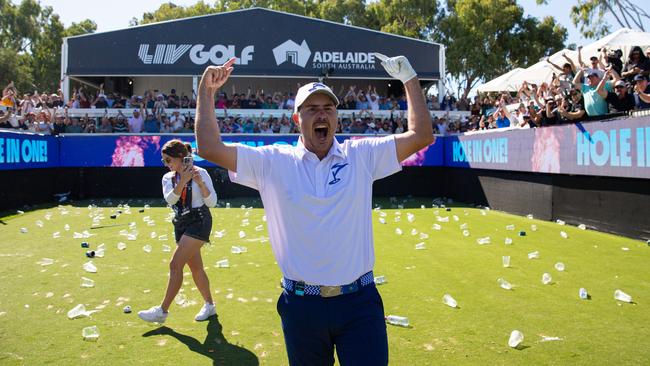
(301, 98)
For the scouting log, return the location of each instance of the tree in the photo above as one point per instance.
(589, 15)
(486, 38)
(30, 44)
(413, 18)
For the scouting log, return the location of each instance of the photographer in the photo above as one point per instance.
(636, 64)
(189, 191)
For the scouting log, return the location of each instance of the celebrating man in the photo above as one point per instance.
(318, 198)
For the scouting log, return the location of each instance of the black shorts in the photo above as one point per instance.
(197, 224)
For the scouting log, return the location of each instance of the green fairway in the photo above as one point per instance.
(35, 299)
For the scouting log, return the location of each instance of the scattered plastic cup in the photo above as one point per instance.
(464, 226)
(622, 296)
(23, 230)
(438, 227)
(398, 231)
(90, 267)
(529, 216)
(224, 263)
(382, 220)
(166, 248)
(516, 337)
(533, 255)
(87, 282)
(533, 227)
(506, 261)
(121, 246)
(242, 235)
(582, 227)
(420, 246)
(510, 227)
(483, 241)
(90, 334)
(583, 294)
(559, 266)
(147, 248)
(564, 234)
(77, 312)
(560, 222)
(546, 278)
(465, 232)
(504, 284)
(399, 321)
(449, 301)
(380, 280)
(414, 231)
(508, 241)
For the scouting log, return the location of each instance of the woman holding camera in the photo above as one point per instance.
(189, 191)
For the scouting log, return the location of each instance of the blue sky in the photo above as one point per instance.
(115, 14)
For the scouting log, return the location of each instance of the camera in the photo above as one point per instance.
(187, 161)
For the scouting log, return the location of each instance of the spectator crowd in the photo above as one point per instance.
(608, 85)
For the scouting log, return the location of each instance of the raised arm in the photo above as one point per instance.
(570, 61)
(554, 65)
(580, 62)
(601, 85)
(208, 138)
(577, 80)
(420, 132)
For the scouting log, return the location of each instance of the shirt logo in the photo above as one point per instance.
(335, 170)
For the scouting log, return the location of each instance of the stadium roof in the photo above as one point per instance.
(267, 43)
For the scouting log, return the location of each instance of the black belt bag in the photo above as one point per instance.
(195, 214)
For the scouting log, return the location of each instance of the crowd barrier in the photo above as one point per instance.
(615, 148)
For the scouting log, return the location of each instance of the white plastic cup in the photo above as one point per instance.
(90, 333)
(506, 261)
(380, 280)
(559, 266)
(504, 284)
(87, 282)
(420, 246)
(583, 294)
(449, 301)
(516, 337)
(546, 278)
(622, 296)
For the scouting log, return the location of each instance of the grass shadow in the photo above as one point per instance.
(215, 346)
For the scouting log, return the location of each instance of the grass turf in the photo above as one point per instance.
(35, 330)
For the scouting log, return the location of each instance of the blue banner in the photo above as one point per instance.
(19, 150)
(145, 151)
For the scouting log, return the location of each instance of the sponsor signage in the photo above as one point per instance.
(619, 148)
(27, 151)
(280, 44)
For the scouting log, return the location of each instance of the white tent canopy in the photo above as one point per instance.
(501, 83)
(543, 71)
(624, 39)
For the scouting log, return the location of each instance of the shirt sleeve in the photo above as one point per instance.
(381, 155)
(210, 200)
(168, 190)
(250, 166)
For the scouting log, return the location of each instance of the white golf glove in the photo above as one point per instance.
(397, 67)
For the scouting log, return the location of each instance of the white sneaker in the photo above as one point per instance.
(206, 311)
(154, 314)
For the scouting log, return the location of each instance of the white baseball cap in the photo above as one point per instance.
(308, 89)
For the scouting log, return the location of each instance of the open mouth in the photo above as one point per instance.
(321, 131)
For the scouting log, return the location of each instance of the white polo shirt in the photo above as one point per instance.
(319, 212)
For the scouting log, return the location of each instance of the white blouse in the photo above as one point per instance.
(197, 196)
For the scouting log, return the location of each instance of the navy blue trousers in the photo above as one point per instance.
(353, 324)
